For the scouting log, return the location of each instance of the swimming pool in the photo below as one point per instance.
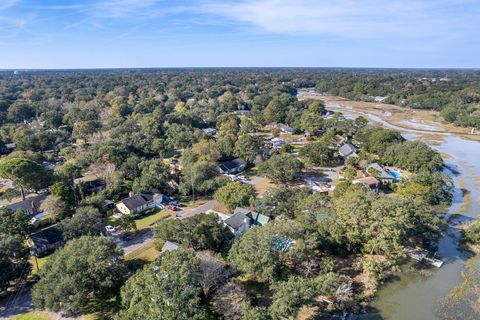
(395, 174)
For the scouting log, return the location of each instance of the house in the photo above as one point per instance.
(139, 202)
(243, 219)
(369, 182)
(169, 246)
(210, 131)
(339, 140)
(278, 143)
(347, 150)
(241, 112)
(285, 129)
(30, 206)
(376, 170)
(233, 166)
(45, 241)
(90, 186)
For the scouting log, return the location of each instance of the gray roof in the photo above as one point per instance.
(28, 204)
(169, 246)
(135, 201)
(237, 219)
(284, 127)
(346, 150)
(383, 174)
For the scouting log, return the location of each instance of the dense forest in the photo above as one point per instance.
(456, 93)
(325, 219)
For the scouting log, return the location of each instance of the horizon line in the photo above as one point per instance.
(233, 67)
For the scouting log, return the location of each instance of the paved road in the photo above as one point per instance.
(22, 303)
(187, 213)
(148, 236)
(134, 244)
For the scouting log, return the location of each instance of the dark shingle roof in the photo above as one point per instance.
(135, 201)
(27, 204)
(47, 236)
(237, 219)
(229, 165)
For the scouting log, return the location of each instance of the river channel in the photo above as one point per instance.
(417, 295)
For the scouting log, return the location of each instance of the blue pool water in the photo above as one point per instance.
(395, 174)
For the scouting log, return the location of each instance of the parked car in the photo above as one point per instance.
(110, 229)
(172, 207)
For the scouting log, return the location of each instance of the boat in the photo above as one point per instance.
(423, 255)
(436, 262)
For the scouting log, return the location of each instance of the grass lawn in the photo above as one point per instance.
(147, 221)
(146, 253)
(41, 262)
(263, 185)
(198, 202)
(35, 315)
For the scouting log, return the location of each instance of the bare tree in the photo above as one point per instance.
(229, 300)
(213, 272)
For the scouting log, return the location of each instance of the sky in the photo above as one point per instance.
(239, 33)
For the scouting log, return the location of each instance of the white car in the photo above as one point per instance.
(110, 229)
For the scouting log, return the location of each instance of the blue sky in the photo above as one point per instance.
(239, 33)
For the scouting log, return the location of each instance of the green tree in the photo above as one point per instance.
(200, 178)
(350, 173)
(18, 112)
(472, 231)
(64, 192)
(270, 252)
(206, 150)
(235, 194)
(87, 221)
(227, 136)
(126, 223)
(80, 277)
(166, 290)
(311, 122)
(200, 232)
(25, 174)
(154, 176)
(247, 148)
(415, 156)
(317, 153)
(284, 201)
(289, 296)
(14, 223)
(14, 260)
(281, 167)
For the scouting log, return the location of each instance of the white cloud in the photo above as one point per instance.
(6, 4)
(360, 18)
(120, 8)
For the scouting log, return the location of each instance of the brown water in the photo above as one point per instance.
(417, 294)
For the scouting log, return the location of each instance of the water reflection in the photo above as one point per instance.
(416, 294)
